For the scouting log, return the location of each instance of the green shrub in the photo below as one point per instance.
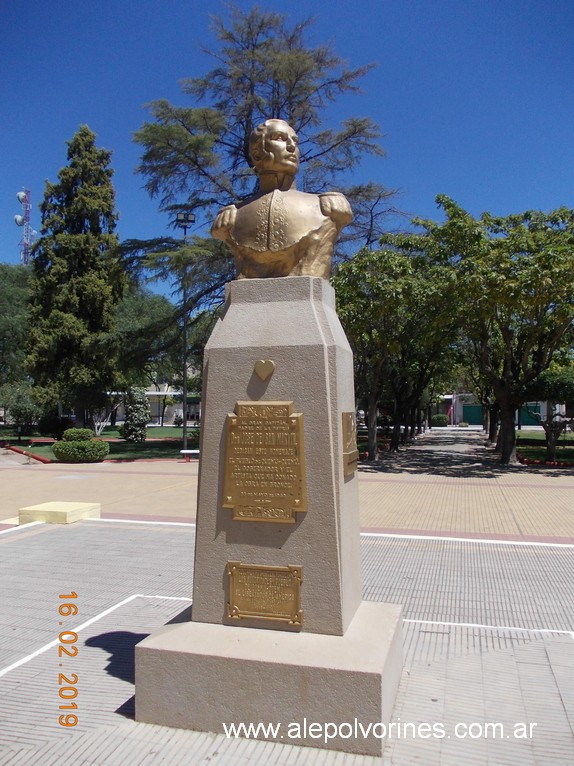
(462, 424)
(138, 415)
(92, 451)
(78, 435)
(439, 421)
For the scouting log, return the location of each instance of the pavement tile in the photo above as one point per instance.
(474, 648)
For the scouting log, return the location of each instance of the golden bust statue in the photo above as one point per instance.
(281, 232)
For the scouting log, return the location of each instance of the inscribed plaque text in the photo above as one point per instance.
(264, 476)
(265, 592)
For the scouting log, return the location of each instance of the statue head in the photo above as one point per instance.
(274, 148)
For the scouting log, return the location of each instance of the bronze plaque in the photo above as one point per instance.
(265, 592)
(350, 451)
(264, 463)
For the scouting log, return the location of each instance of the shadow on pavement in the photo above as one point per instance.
(120, 645)
(466, 455)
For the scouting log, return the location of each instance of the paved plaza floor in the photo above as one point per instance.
(481, 558)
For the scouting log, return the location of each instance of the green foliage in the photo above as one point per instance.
(76, 282)
(78, 435)
(138, 415)
(265, 69)
(553, 385)
(392, 305)
(85, 451)
(515, 275)
(78, 445)
(197, 157)
(21, 405)
(14, 296)
(439, 420)
(53, 425)
(146, 329)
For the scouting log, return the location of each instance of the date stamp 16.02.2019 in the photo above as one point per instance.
(67, 682)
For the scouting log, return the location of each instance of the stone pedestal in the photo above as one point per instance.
(201, 676)
(59, 512)
(278, 627)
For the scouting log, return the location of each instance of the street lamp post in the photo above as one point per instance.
(183, 221)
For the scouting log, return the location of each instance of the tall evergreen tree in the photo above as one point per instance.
(76, 283)
(14, 293)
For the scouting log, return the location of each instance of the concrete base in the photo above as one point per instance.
(201, 675)
(59, 512)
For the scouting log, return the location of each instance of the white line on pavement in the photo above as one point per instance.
(139, 521)
(483, 541)
(21, 526)
(84, 625)
(491, 627)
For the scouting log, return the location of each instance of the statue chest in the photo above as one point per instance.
(277, 220)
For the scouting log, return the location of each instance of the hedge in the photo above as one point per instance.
(80, 452)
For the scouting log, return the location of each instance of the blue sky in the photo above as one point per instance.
(476, 99)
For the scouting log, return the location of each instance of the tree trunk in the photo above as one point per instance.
(493, 412)
(399, 419)
(395, 437)
(552, 436)
(507, 434)
(372, 426)
(419, 422)
(413, 424)
(80, 414)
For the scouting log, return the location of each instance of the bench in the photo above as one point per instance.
(187, 453)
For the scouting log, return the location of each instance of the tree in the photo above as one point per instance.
(14, 295)
(76, 283)
(197, 158)
(265, 70)
(554, 386)
(138, 415)
(149, 337)
(20, 405)
(516, 274)
(392, 305)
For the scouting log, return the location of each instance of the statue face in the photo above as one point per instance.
(281, 149)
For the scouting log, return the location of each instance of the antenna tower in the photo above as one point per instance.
(24, 221)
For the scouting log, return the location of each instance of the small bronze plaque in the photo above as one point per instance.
(350, 451)
(265, 592)
(264, 476)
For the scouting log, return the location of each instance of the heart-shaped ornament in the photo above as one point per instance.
(264, 368)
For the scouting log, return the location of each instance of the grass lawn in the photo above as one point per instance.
(531, 445)
(531, 452)
(162, 442)
(540, 436)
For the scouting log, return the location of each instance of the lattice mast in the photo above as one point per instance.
(24, 221)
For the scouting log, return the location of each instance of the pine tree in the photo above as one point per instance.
(197, 157)
(76, 283)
